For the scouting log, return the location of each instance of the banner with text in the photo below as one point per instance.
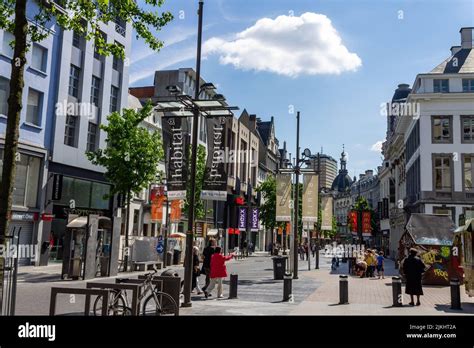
(283, 196)
(215, 177)
(177, 164)
(242, 218)
(326, 207)
(310, 198)
(255, 218)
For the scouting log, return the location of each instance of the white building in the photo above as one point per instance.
(440, 144)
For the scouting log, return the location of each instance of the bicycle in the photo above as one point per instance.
(157, 303)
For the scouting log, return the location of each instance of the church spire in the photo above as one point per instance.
(343, 159)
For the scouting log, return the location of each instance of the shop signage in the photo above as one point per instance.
(310, 198)
(177, 164)
(255, 218)
(199, 229)
(242, 218)
(215, 177)
(283, 196)
(120, 200)
(57, 187)
(19, 216)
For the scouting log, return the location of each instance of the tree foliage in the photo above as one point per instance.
(132, 154)
(267, 190)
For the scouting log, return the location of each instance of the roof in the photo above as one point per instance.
(134, 102)
(463, 64)
(342, 182)
(426, 229)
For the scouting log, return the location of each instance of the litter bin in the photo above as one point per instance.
(279, 267)
(169, 258)
(176, 257)
(104, 266)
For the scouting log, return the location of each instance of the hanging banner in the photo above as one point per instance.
(175, 213)
(157, 198)
(242, 218)
(326, 207)
(255, 218)
(214, 187)
(310, 198)
(353, 220)
(366, 223)
(283, 196)
(177, 168)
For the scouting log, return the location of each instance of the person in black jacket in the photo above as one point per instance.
(196, 271)
(413, 268)
(206, 263)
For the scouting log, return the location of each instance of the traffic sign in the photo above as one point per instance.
(159, 248)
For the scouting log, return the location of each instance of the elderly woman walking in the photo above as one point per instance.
(413, 268)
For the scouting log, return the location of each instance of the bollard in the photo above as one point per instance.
(343, 290)
(234, 279)
(317, 257)
(455, 293)
(397, 292)
(287, 284)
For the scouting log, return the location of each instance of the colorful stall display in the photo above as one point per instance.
(463, 242)
(433, 236)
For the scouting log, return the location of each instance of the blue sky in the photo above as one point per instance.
(337, 64)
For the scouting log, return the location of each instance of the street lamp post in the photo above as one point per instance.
(297, 198)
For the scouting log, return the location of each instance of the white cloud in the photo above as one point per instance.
(377, 147)
(287, 45)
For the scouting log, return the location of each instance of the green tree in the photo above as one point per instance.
(267, 190)
(361, 204)
(199, 210)
(131, 157)
(69, 15)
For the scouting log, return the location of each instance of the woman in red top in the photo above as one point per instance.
(218, 272)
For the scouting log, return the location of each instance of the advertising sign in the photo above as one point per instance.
(326, 206)
(255, 218)
(283, 196)
(366, 223)
(175, 213)
(242, 223)
(215, 177)
(310, 198)
(157, 198)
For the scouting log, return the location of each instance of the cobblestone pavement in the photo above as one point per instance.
(316, 292)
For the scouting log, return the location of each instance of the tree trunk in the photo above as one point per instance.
(12, 131)
(127, 226)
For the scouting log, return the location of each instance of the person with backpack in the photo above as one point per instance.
(218, 272)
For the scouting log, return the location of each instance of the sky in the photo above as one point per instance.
(334, 61)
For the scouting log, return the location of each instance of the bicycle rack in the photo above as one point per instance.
(111, 286)
(75, 291)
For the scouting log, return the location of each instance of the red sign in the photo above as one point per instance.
(47, 217)
(175, 215)
(235, 231)
(353, 220)
(157, 197)
(239, 201)
(366, 222)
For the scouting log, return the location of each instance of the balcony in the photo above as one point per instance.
(120, 29)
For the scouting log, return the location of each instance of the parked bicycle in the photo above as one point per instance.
(155, 302)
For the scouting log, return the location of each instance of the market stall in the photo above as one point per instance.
(432, 236)
(463, 243)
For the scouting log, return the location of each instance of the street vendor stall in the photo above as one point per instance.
(432, 236)
(463, 245)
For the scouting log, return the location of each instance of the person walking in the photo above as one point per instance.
(196, 271)
(380, 264)
(413, 268)
(218, 272)
(206, 263)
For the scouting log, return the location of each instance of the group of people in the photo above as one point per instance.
(369, 263)
(213, 267)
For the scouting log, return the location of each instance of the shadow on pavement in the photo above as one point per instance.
(466, 308)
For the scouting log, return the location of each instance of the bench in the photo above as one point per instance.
(146, 265)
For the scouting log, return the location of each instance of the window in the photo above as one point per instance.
(467, 129)
(76, 39)
(440, 85)
(95, 91)
(87, 194)
(413, 141)
(33, 107)
(74, 75)
(117, 61)
(97, 55)
(39, 58)
(25, 192)
(4, 92)
(468, 173)
(70, 131)
(441, 128)
(442, 173)
(7, 50)
(468, 85)
(114, 95)
(449, 211)
(91, 137)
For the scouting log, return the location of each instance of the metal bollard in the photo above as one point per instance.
(455, 293)
(397, 292)
(317, 258)
(343, 289)
(234, 280)
(287, 285)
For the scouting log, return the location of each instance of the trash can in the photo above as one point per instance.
(104, 266)
(279, 267)
(169, 258)
(176, 257)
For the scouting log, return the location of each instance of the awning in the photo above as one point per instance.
(427, 229)
(78, 222)
(469, 226)
(213, 232)
(177, 235)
